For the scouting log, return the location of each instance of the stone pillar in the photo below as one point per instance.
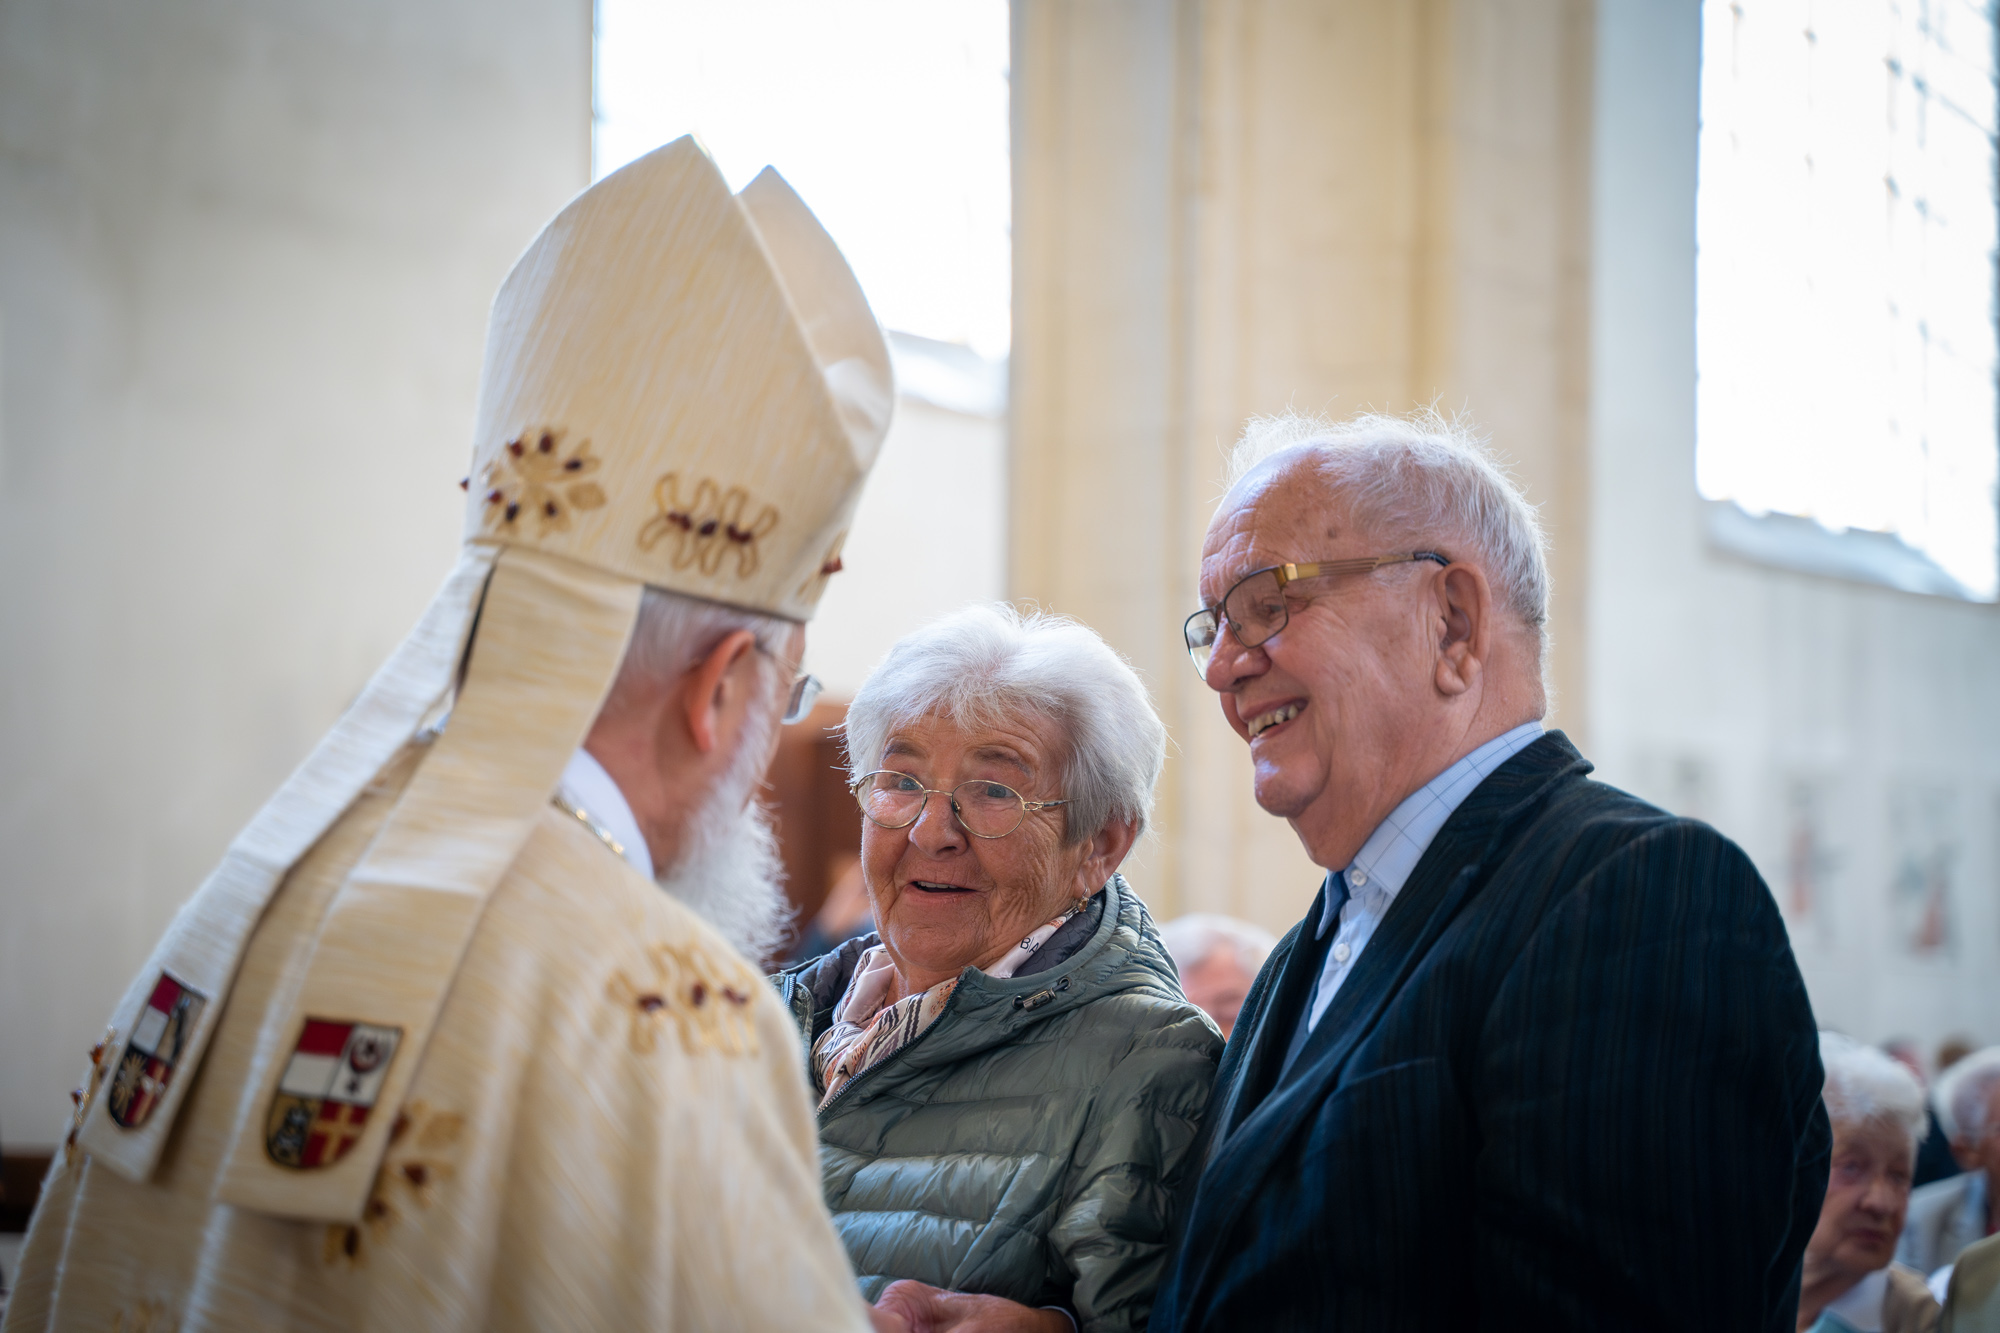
(1222, 209)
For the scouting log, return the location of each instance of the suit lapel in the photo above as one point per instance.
(1264, 1054)
(1443, 882)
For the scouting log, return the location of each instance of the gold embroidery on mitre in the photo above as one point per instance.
(829, 565)
(530, 478)
(412, 1172)
(705, 997)
(710, 527)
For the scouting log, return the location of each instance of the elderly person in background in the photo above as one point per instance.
(1009, 1076)
(1951, 1214)
(1539, 1055)
(1849, 1284)
(1218, 958)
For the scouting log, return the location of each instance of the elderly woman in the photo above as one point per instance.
(1009, 1077)
(1849, 1284)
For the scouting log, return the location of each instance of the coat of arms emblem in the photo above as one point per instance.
(158, 1036)
(330, 1084)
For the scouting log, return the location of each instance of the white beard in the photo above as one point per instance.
(730, 873)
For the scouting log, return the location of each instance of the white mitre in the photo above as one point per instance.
(682, 388)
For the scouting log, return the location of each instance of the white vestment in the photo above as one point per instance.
(609, 1129)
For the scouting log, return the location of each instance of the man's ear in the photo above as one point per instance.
(1465, 603)
(1107, 851)
(709, 687)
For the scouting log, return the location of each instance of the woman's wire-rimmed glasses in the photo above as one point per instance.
(985, 809)
(1255, 607)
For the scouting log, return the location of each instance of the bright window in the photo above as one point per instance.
(1846, 283)
(889, 117)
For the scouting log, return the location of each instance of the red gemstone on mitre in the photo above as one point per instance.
(514, 448)
(465, 483)
(698, 993)
(708, 529)
(495, 496)
(649, 1003)
(548, 443)
(549, 508)
(832, 566)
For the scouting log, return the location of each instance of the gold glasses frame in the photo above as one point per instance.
(1204, 627)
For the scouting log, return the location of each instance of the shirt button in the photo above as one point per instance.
(1357, 877)
(1341, 952)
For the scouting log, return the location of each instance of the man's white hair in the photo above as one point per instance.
(1865, 1086)
(1421, 482)
(674, 631)
(728, 870)
(989, 664)
(1965, 1095)
(1193, 938)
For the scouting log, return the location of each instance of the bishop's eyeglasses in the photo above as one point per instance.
(1255, 607)
(985, 809)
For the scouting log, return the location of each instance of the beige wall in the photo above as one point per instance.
(1232, 208)
(246, 251)
(1847, 736)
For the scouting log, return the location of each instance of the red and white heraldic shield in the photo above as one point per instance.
(330, 1084)
(147, 1065)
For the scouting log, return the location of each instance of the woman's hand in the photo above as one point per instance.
(926, 1309)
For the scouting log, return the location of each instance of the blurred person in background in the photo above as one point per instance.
(1009, 1077)
(1539, 1054)
(1850, 1284)
(1218, 958)
(1934, 1159)
(1949, 1215)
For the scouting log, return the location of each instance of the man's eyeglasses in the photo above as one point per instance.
(986, 809)
(806, 689)
(1255, 608)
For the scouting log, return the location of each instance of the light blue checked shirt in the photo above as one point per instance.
(1377, 873)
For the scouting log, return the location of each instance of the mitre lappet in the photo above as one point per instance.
(682, 388)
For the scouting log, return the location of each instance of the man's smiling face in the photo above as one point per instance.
(1336, 706)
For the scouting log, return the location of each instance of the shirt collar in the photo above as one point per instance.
(1392, 851)
(590, 789)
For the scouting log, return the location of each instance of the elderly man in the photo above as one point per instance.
(1538, 1056)
(432, 1049)
(1950, 1214)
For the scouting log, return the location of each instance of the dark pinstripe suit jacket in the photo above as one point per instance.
(1572, 1083)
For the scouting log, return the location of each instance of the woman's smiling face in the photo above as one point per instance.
(945, 900)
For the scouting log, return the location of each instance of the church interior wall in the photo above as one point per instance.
(246, 253)
(1847, 736)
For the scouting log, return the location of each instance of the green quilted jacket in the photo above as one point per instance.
(1029, 1143)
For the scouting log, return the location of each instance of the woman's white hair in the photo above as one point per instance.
(1965, 1095)
(1421, 482)
(990, 664)
(1863, 1085)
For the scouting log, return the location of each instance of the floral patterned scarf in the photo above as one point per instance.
(866, 1031)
